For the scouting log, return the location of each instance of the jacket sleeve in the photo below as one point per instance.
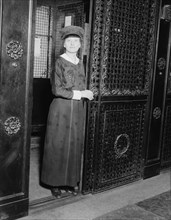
(58, 83)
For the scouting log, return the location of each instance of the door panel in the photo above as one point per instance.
(152, 158)
(121, 68)
(166, 131)
(119, 151)
(159, 135)
(15, 106)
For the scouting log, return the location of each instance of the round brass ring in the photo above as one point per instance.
(119, 152)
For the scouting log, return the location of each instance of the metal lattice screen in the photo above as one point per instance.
(120, 144)
(125, 49)
(43, 42)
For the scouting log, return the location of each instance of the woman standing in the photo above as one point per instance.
(64, 134)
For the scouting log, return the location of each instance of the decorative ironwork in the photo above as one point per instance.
(115, 166)
(124, 43)
(12, 125)
(161, 63)
(97, 45)
(123, 48)
(157, 113)
(14, 49)
(88, 176)
(119, 149)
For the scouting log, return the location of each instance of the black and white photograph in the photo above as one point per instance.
(85, 110)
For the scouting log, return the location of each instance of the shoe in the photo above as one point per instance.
(73, 191)
(56, 192)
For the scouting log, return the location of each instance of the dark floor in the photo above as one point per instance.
(155, 208)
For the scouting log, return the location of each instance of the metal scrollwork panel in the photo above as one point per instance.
(119, 148)
(97, 46)
(124, 39)
(88, 174)
(14, 50)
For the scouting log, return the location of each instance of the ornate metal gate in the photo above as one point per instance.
(121, 67)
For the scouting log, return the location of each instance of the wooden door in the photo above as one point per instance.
(15, 105)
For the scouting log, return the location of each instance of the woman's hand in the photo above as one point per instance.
(87, 94)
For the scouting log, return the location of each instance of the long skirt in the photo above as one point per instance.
(63, 143)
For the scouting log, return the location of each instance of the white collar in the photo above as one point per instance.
(66, 57)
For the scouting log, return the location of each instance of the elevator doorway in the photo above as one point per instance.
(120, 115)
(51, 16)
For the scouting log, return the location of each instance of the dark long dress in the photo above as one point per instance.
(64, 132)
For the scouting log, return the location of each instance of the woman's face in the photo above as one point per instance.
(72, 44)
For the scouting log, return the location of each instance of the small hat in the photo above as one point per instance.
(72, 30)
